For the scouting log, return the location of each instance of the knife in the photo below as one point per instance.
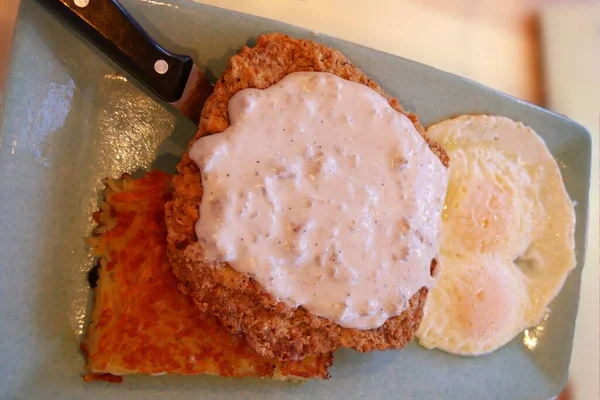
(172, 77)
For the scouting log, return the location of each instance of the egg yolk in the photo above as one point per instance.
(490, 205)
(483, 300)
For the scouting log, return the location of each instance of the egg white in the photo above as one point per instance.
(507, 242)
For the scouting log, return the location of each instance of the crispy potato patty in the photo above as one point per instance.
(141, 322)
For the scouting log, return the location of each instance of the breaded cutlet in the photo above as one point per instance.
(272, 328)
(141, 322)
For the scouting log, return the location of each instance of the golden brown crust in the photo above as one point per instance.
(272, 328)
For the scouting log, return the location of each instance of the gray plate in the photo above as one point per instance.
(68, 121)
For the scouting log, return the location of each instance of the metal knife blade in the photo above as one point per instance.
(172, 77)
(197, 89)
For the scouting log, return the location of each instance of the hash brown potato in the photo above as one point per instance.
(141, 322)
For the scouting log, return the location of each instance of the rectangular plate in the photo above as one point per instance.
(71, 118)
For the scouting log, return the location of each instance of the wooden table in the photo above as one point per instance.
(8, 17)
(494, 44)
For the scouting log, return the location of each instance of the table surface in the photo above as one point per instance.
(573, 89)
(498, 47)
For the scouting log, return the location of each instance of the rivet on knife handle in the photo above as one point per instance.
(106, 24)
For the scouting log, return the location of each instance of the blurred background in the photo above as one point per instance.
(543, 51)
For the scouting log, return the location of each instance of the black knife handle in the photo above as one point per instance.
(108, 25)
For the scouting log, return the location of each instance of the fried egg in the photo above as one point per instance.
(507, 242)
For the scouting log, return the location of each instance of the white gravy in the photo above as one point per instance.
(325, 195)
